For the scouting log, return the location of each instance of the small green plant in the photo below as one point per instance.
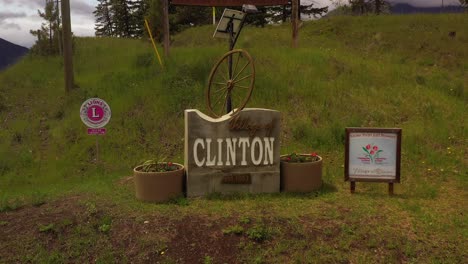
(259, 233)
(244, 220)
(7, 205)
(155, 166)
(47, 228)
(91, 208)
(38, 199)
(236, 229)
(300, 158)
(180, 200)
(104, 228)
(207, 260)
(2, 223)
(105, 224)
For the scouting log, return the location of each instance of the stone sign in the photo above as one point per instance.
(232, 154)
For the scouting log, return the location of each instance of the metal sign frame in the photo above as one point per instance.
(230, 25)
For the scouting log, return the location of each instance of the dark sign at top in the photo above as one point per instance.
(229, 2)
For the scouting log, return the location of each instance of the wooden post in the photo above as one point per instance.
(352, 186)
(167, 36)
(295, 22)
(67, 46)
(390, 188)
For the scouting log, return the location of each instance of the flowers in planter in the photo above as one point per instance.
(299, 158)
(155, 166)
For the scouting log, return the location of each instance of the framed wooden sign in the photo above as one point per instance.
(373, 155)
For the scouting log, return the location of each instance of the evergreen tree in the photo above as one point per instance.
(104, 19)
(47, 42)
(464, 4)
(282, 13)
(138, 10)
(154, 17)
(122, 18)
(361, 7)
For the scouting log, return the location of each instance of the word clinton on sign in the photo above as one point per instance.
(260, 149)
(232, 154)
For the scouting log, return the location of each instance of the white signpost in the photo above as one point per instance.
(95, 114)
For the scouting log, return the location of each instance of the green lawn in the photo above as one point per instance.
(58, 205)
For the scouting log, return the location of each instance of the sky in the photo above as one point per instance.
(17, 17)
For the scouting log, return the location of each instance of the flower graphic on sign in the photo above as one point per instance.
(372, 152)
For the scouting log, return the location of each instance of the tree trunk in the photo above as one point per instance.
(285, 16)
(295, 22)
(377, 7)
(299, 11)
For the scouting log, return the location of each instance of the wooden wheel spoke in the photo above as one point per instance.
(221, 97)
(242, 86)
(237, 62)
(218, 83)
(243, 78)
(243, 68)
(223, 73)
(229, 77)
(224, 104)
(219, 90)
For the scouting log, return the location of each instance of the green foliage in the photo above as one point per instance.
(236, 229)
(49, 35)
(47, 228)
(155, 166)
(104, 228)
(9, 205)
(207, 260)
(300, 158)
(120, 18)
(259, 233)
(244, 220)
(38, 198)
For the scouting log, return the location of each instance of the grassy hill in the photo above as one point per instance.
(386, 71)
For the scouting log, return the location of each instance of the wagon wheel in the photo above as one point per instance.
(236, 84)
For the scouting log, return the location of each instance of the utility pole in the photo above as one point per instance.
(67, 46)
(295, 22)
(167, 36)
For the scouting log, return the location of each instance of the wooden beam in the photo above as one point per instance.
(67, 46)
(295, 23)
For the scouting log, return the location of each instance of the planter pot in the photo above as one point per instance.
(158, 186)
(301, 177)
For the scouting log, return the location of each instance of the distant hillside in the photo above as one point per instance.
(409, 9)
(10, 53)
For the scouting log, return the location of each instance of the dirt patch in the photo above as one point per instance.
(81, 229)
(197, 239)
